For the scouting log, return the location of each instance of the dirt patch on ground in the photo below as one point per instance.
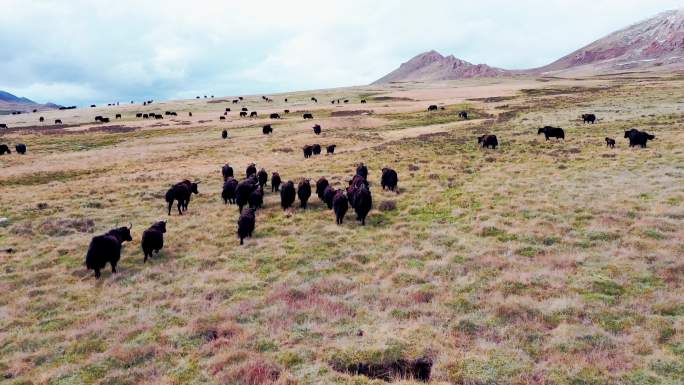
(392, 99)
(350, 113)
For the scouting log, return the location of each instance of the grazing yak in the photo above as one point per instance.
(21, 148)
(262, 177)
(314, 100)
(638, 138)
(328, 196)
(153, 239)
(304, 192)
(226, 171)
(181, 192)
(287, 195)
(463, 115)
(227, 109)
(340, 206)
(256, 198)
(286, 111)
(222, 118)
(589, 118)
(330, 149)
(244, 109)
(363, 101)
(253, 114)
(488, 141)
(99, 118)
(4, 149)
(243, 192)
(275, 116)
(552, 132)
(246, 224)
(432, 107)
(321, 184)
(158, 116)
(307, 116)
(389, 179)
(145, 116)
(235, 101)
(224, 134)
(275, 182)
(243, 114)
(317, 129)
(316, 149)
(610, 142)
(3, 125)
(267, 129)
(308, 151)
(106, 248)
(228, 192)
(362, 202)
(118, 116)
(362, 170)
(58, 121)
(251, 170)
(138, 115)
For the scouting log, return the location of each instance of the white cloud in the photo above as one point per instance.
(102, 51)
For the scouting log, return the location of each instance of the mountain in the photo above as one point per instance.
(430, 66)
(656, 42)
(10, 103)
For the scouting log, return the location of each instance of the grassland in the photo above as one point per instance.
(537, 263)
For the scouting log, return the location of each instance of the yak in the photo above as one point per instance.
(308, 151)
(227, 171)
(314, 100)
(275, 182)
(21, 148)
(181, 192)
(251, 170)
(610, 142)
(432, 107)
(463, 115)
(638, 138)
(362, 170)
(224, 134)
(256, 198)
(589, 118)
(228, 192)
(262, 177)
(287, 195)
(389, 179)
(317, 129)
(328, 196)
(58, 121)
(106, 248)
(307, 116)
(153, 239)
(243, 192)
(552, 132)
(316, 149)
(243, 114)
(117, 116)
(244, 109)
(330, 149)
(275, 116)
(253, 114)
(362, 203)
(488, 141)
(304, 192)
(267, 129)
(340, 206)
(246, 224)
(4, 149)
(321, 184)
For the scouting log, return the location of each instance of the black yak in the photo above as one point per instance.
(153, 239)
(362, 170)
(227, 110)
(463, 115)
(243, 114)
(340, 206)
(359, 180)
(267, 129)
(117, 116)
(307, 116)
(304, 192)
(287, 195)
(224, 134)
(432, 107)
(246, 224)
(253, 114)
(610, 142)
(638, 138)
(256, 198)
(228, 192)
(488, 141)
(552, 132)
(42, 119)
(244, 109)
(317, 129)
(330, 149)
(99, 118)
(321, 184)
(275, 182)
(363, 101)
(308, 151)
(243, 191)
(138, 115)
(227, 171)
(262, 177)
(286, 111)
(223, 118)
(275, 116)
(4, 149)
(589, 118)
(389, 179)
(328, 196)
(251, 170)
(145, 116)
(21, 148)
(181, 192)
(58, 121)
(314, 100)
(107, 248)
(316, 149)
(3, 125)
(362, 203)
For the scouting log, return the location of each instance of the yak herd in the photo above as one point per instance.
(248, 194)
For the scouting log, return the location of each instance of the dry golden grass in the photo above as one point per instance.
(537, 263)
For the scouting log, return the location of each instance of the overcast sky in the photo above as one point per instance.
(82, 52)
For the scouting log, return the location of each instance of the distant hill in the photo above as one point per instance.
(10, 103)
(656, 42)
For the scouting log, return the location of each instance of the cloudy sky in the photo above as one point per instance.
(82, 52)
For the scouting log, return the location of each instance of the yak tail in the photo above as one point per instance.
(170, 196)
